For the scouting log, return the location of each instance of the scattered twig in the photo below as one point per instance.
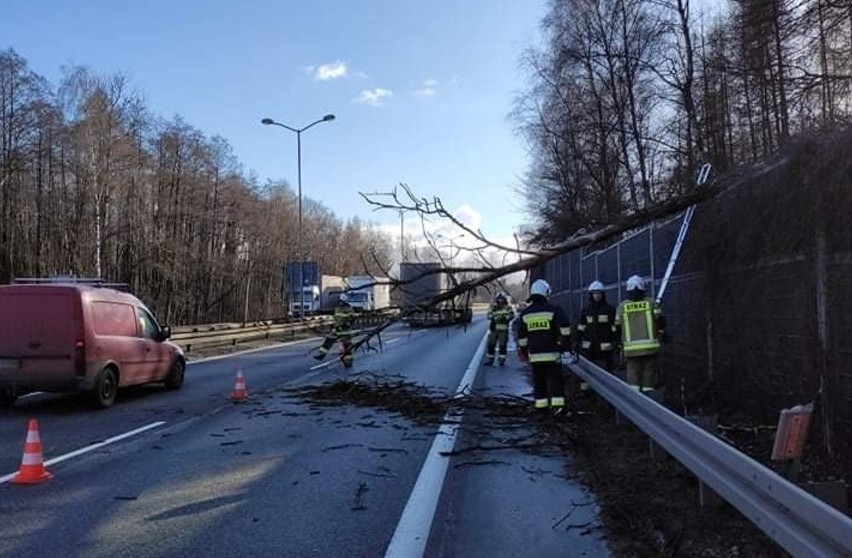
(359, 497)
(583, 504)
(381, 475)
(389, 450)
(579, 525)
(477, 463)
(342, 446)
(564, 518)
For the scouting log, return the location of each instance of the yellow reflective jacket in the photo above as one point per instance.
(344, 316)
(641, 324)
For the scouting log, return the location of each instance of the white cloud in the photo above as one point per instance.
(428, 89)
(441, 233)
(374, 97)
(333, 70)
(468, 216)
(425, 92)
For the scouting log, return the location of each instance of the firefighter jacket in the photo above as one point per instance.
(543, 331)
(642, 327)
(344, 316)
(596, 331)
(500, 317)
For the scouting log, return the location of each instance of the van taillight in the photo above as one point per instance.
(80, 358)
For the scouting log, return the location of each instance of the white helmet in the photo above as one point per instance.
(635, 282)
(540, 287)
(596, 286)
(343, 297)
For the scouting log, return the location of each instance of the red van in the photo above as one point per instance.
(68, 337)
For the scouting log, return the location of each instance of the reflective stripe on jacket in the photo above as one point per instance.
(500, 318)
(543, 331)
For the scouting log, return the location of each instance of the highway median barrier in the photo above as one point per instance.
(194, 337)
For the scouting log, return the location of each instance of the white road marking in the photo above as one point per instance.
(91, 447)
(412, 531)
(392, 341)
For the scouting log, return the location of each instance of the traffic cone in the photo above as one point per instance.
(32, 469)
(239, 393)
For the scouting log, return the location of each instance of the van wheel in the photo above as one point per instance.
(106, 389)
(175, 378)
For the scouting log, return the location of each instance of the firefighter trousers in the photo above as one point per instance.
(642, 372)
(548, 384)
(497, 340)
(346, 340)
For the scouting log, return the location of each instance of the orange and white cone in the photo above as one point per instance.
(240, 393)
(32, 469)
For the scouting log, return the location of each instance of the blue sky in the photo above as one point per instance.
(451, 67)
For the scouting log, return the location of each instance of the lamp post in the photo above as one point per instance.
(452, 245)
(401, 237)
(298, 132)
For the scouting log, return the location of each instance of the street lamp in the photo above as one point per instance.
(298, 132)
(451, 240)
(401, 238)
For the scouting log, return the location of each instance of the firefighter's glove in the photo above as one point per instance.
(523, 355)
(570, 358)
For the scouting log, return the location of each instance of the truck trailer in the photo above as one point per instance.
(421, 283)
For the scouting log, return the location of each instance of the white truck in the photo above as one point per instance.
(318, 293)
(365, 294)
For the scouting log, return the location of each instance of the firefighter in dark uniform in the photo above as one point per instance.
(543, 334)
(341, 330)
(596, 331)
(499, 315)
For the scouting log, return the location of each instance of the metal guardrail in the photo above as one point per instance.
(212, 335)
(188, 342)
(193, 330)
(797, 521)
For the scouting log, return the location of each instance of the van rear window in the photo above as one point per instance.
(112, 318)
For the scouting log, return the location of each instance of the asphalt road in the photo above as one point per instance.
(277, 476)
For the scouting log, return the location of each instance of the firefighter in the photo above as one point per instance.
(341, 330)
(543, 334)
(643, 328)
(500, 315)
(596, 331)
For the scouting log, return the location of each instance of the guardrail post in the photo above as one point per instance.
(707, 497)
(655, 451)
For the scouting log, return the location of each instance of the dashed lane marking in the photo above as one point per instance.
(91, 447)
